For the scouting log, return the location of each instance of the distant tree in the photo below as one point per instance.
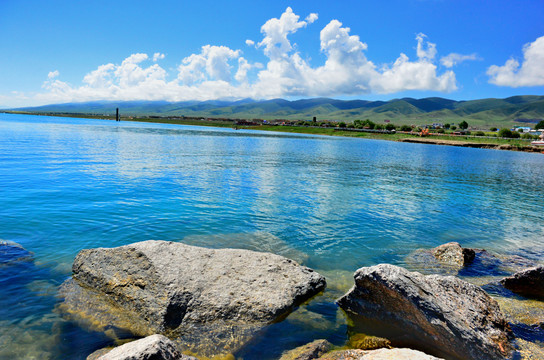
(540, 125)
(440, 131)
(368, 124)
(405, 128)
(528, 136)
(300, 122)
(453, 127)
(378, 127)
(447, 126)
(314, 119)
(390, 127)
(342, 124)
(493, 129)
(479, 133)
(463, 125)
(505, 133)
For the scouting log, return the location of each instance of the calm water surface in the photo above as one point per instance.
(334, 204)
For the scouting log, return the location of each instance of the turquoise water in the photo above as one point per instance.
(334, 204)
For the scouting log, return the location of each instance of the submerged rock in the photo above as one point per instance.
(529, 282)
(156, 347)
(380, 354)
(453, 254)
(208, 300)
(482, 264)
(12, 252)
(309, 351)
(368, 342)
(442, 315)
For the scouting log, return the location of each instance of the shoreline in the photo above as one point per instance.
(463, 141)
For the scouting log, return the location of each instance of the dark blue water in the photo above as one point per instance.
(334, 204)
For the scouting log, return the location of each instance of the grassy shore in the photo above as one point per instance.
(489, 142)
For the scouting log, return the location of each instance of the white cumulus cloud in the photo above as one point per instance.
(275, 32)
(311, 18)
(53, 74)
(211, 64)
(425, 50)
(529, 73)
(221, 72)
(158, 56)
(453, 59)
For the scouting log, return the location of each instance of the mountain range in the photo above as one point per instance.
(524, 109)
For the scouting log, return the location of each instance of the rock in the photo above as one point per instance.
(368, 342)
(529, 282)
(380, 354)
(441, 315)
(208, 300)
(154, 347)
(95, 355)
(12, 252)
(309, 351)
(483, 264)
(453, 254)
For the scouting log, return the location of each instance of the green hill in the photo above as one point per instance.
(525, 109)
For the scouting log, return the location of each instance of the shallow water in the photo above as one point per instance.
(334, 204)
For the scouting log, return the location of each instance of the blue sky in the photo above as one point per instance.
(63, 51)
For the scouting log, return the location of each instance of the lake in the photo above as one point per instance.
(334, 204)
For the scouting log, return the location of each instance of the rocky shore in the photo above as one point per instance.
(212, 302)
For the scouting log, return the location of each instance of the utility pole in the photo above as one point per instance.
(117, 118)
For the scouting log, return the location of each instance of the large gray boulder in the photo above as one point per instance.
(210, 300)
(441, 315)
(529, 282)
(154, 347)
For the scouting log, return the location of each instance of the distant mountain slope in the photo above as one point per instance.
(481, 112)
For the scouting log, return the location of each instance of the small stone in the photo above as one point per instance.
(309, 351)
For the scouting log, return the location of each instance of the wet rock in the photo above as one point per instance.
(453, 254)
(368, 342)
(208, 300)
(521, 310)
(309, 351)
(12, 252)
(441, 315)
(380, 354)
(530, 350)
(156, 347)
(529, 282)
(483, 264)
